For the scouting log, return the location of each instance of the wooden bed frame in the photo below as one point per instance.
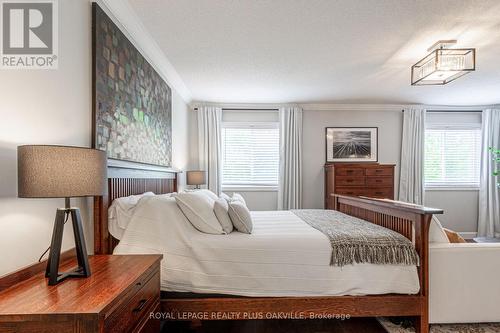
(409, 220)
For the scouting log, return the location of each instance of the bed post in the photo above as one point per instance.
(422, 247)
(101, 233)
(400, 217)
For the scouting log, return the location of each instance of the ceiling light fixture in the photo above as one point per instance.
(443, 65)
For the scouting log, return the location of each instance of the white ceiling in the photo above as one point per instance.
(313, 51)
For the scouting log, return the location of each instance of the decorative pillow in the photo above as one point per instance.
(225, 196)
(453, 236)
(221, 208)
(240, 216)
(239, 197)
(208, 193)
(436, 232)
(199, 210)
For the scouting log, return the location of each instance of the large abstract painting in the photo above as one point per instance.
(132, 103)
(351, 144)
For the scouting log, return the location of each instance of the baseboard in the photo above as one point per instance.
(468, 235)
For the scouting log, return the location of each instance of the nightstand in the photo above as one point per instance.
(118, 297)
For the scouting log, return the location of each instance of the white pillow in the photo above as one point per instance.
(199, 210)
(239, 197)
(240, 216)
(436, 232)
(208, 193)
(120, 212)
(221, 212)
(225, 196)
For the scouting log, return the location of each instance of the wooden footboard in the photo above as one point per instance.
(409, 220)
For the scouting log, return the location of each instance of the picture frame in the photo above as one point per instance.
(351, 144)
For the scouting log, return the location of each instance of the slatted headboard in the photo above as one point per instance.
(123, 182)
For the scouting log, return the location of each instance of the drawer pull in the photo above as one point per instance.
(378, 180)
(349, 171)
(349, 180)
(141, 305)
(379, 193)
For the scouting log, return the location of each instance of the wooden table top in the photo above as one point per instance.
(111, 276)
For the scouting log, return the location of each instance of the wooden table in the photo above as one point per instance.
(118, 297)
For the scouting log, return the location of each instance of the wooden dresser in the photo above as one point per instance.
(358, 179)
(118, 297)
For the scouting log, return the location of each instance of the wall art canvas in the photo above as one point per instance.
(132, 107)
(351, 144)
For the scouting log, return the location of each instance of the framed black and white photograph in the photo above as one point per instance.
(351, 144)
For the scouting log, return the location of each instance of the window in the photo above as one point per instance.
(452, 151)
(250, 154)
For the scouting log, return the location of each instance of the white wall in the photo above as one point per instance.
(389, 125)
(461, 209)
(53, 107)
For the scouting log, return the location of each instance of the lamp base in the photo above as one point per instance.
(83, 269)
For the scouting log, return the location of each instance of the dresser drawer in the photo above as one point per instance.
(350, 181)
(379, 181)
(356, 172)
(387, 171)
(384, 193)
(350, 191)
(133, 310)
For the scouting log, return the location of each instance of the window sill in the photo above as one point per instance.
(249, 188)
(452, 188)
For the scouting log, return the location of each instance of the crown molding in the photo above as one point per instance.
(127, 20)
(388, 107)
(255, 106)
(352, 107)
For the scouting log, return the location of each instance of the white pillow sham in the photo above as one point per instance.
(199, 210)
(208, 193)
(436, 232)
(221, 208)
(238, 197)
(120, 212)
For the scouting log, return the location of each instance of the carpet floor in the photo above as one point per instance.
(444, 328)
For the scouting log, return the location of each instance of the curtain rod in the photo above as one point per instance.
(236, 109)
(453, 111)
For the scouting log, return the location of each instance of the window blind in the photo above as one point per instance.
(452, 156)
(250, 154)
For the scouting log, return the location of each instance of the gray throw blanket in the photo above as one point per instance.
(357, 241)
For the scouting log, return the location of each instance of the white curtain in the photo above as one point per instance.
(290, 172)
(210, 145)
(411, 178)
(489, 193)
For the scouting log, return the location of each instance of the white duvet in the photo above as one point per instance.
(283, 256)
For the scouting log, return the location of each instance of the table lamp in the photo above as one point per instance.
(196, 177)
(62, 172)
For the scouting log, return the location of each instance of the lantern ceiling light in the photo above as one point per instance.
(443, 64)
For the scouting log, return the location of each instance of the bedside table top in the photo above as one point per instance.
(112, 277)
(486, 240)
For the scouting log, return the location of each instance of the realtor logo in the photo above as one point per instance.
(29, 34)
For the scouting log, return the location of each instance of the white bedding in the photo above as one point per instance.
(283, 256)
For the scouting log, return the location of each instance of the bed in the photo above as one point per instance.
(294, 280)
